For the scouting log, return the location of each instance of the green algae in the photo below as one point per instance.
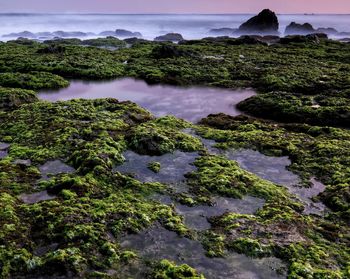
(77, 233)
(168, 270)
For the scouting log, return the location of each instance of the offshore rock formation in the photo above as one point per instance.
(265, 22)
(170, 37)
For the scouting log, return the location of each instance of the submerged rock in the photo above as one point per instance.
(299, 29)
(265, 22)
(170, 37)
(54, 167)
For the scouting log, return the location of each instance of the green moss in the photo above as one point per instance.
(14, 98)
(32, 80)
(154, 166)
(169, 270)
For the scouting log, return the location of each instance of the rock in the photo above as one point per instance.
(299, 29)
(170, 51)
(223, 31)
(170, 37)
(250, 40)
(23, 163)
(24, 34)
(265, 22)
(4, 146)
(328, 31)
(126, 33)
(134, 40)
(314, 38)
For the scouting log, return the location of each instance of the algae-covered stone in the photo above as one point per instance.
(154, 166)
(14, 98)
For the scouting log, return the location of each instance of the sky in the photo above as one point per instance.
(176, 6)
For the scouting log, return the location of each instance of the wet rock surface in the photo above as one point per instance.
(54, 167)
(36, 197)
(158, 243)
(196, 217)
(173, 166)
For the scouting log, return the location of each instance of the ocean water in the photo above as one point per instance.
(190, 26)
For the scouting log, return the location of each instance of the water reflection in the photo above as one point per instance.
(191, 103)
(159, 243)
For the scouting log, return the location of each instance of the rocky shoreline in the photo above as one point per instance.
(74, 223)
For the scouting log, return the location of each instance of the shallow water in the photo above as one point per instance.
(195, 217)
(54, 167)
(36, 197)
(159, 243)
(270, 168)
(3, 149)
(189, 103)
(173, 167)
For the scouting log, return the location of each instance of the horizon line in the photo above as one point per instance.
(185, 13)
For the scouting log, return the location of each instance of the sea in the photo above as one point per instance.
(191, 26)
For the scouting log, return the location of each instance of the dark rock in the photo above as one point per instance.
(170, 51)
(311, 38)
(24, 34)
(250, 40)
(126, 33)
(170, 37)
(223, 31)
(299, 29)
(265, 22)
(134, 40)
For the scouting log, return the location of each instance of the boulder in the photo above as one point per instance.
(126, 33)
(170, 37)
(265, 22)
(299, 29)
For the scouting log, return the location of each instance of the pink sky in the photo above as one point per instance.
(176, 6)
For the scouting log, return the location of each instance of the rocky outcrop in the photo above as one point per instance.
(170, 37)
(299, 29)
(126, 33)
(265, 22)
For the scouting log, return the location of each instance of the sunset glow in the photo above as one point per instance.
(179, 6)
